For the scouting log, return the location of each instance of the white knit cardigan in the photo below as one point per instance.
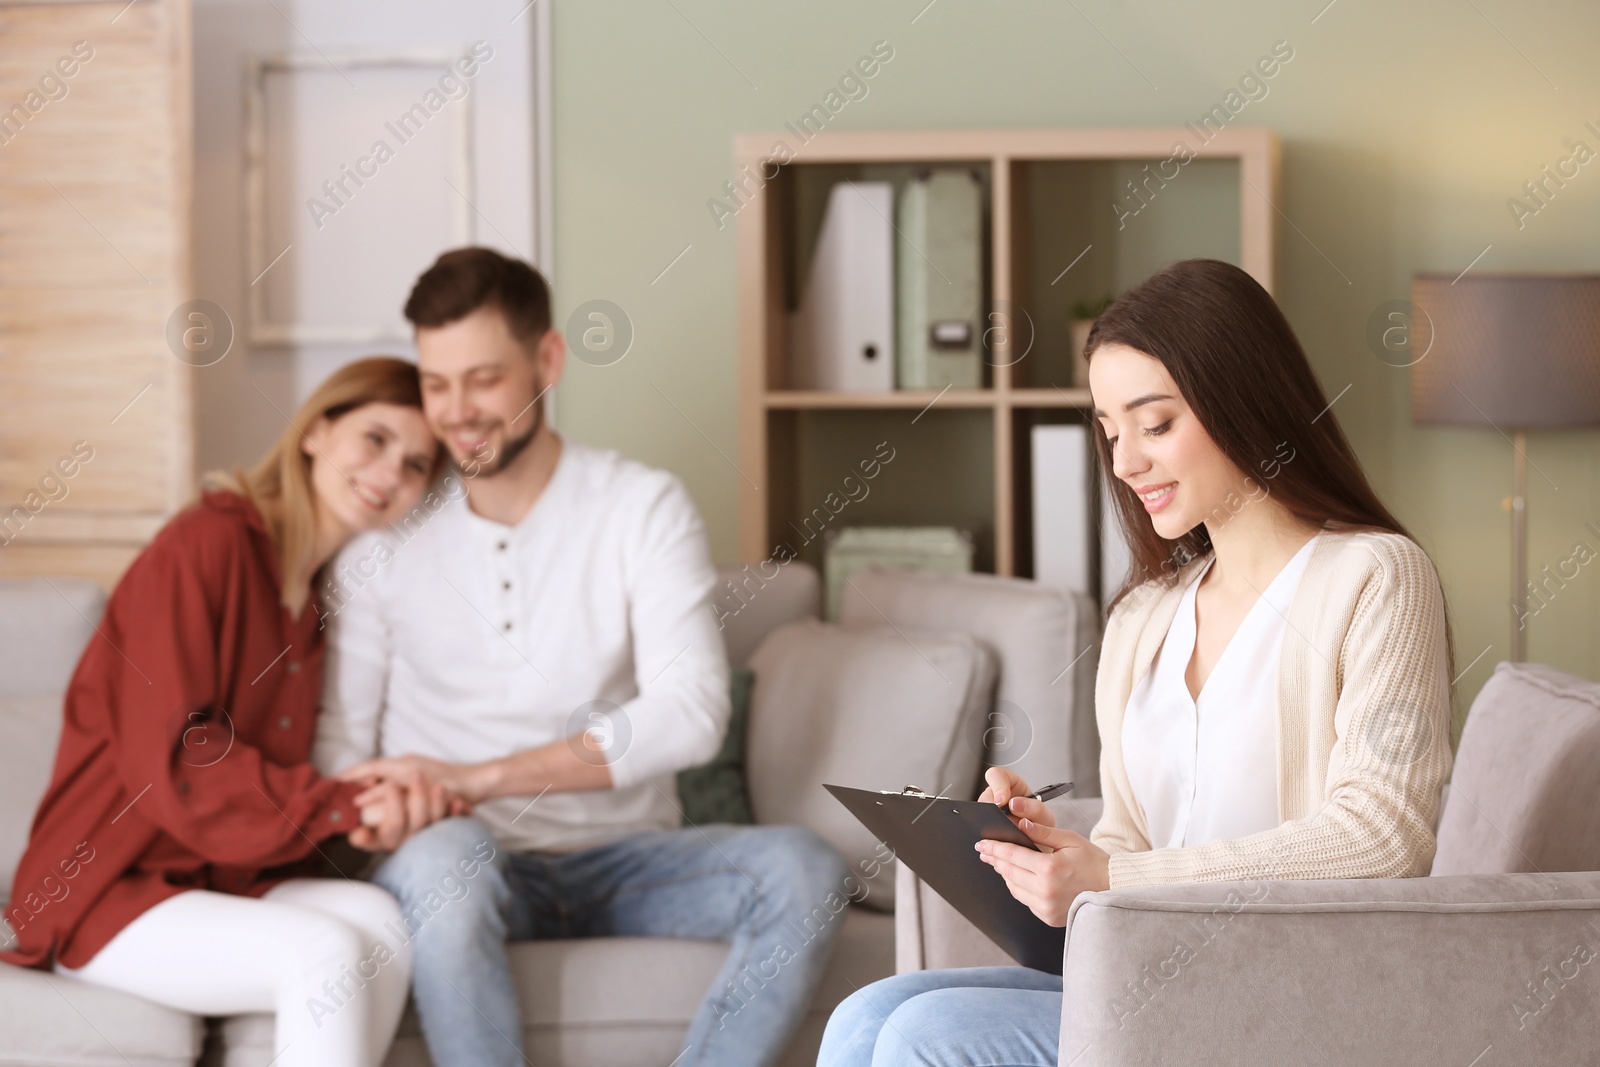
(1363, 723)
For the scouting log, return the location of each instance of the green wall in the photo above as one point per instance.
(1406, 128)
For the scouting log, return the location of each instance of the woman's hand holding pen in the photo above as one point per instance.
(1067, 864)
(1008, 790)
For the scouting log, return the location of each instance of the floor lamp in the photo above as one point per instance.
(1515, 352)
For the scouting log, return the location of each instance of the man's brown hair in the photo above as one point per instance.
(465, 279)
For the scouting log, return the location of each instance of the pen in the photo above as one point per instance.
(1049, 792)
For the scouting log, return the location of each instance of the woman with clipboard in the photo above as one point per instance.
(1273, 695)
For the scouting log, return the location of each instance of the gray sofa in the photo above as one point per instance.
(1492, 960)
(927, 677)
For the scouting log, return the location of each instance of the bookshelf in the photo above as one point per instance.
(1073, 215)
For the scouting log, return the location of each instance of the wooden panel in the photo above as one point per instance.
(900, 398)
(756, 286)
(1258, 212)
(71, 362)
(1003, 325)
(96, 447)
(1005, 513)
(894, 146)
(103, 563)
(1050, 398)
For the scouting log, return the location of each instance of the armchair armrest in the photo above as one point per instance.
(1381, 971)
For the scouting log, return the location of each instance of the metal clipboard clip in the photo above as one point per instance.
(913, 791)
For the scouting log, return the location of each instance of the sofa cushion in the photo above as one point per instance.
(1046, 644)
(29, 729)
(872, 707)
(752, 601)
(579, 996)
(44, 625)
(620, 1001)
(49, 1019)
(1525, 795)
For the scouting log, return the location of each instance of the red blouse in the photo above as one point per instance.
(183, 755)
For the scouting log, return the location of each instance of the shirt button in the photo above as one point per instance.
(335, 815)
(506, 585)
(285, 722)
(501, 546)
(508, 626)
(294, 668)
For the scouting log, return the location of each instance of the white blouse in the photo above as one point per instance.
(1206, 770)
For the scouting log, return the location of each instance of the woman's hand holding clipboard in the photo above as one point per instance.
(1066, 864)
(957, 847)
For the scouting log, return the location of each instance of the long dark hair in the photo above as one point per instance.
(1241, 369)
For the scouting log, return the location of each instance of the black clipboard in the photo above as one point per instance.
(934, 836)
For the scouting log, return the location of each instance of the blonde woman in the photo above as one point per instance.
(1273, 689)
(168, 858)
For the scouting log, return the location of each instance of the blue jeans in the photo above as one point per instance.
(967, 1017)
(776, 892)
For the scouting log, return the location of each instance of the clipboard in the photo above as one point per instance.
(934, 837)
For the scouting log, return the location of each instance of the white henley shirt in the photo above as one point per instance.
(471, 640)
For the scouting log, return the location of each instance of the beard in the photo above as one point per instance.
(507, 454)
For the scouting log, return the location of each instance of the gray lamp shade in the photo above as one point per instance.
(1521, 351)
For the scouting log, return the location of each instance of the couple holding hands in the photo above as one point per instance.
(498, 707)
(496, 711)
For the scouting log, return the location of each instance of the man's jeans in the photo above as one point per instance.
(775, 892)
(953, 1018)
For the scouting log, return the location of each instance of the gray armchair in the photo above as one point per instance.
(1494, 959)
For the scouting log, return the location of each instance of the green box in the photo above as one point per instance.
(929, 548)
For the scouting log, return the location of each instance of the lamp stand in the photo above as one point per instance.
(1519, 544)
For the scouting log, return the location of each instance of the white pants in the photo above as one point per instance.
(314, 951)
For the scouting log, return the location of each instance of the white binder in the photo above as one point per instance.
(842, 336)
(1061, 523)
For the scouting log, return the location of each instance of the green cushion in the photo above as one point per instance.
(716, 791)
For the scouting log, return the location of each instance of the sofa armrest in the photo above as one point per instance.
(930, 935)
(909, 953)
(1381, 971)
